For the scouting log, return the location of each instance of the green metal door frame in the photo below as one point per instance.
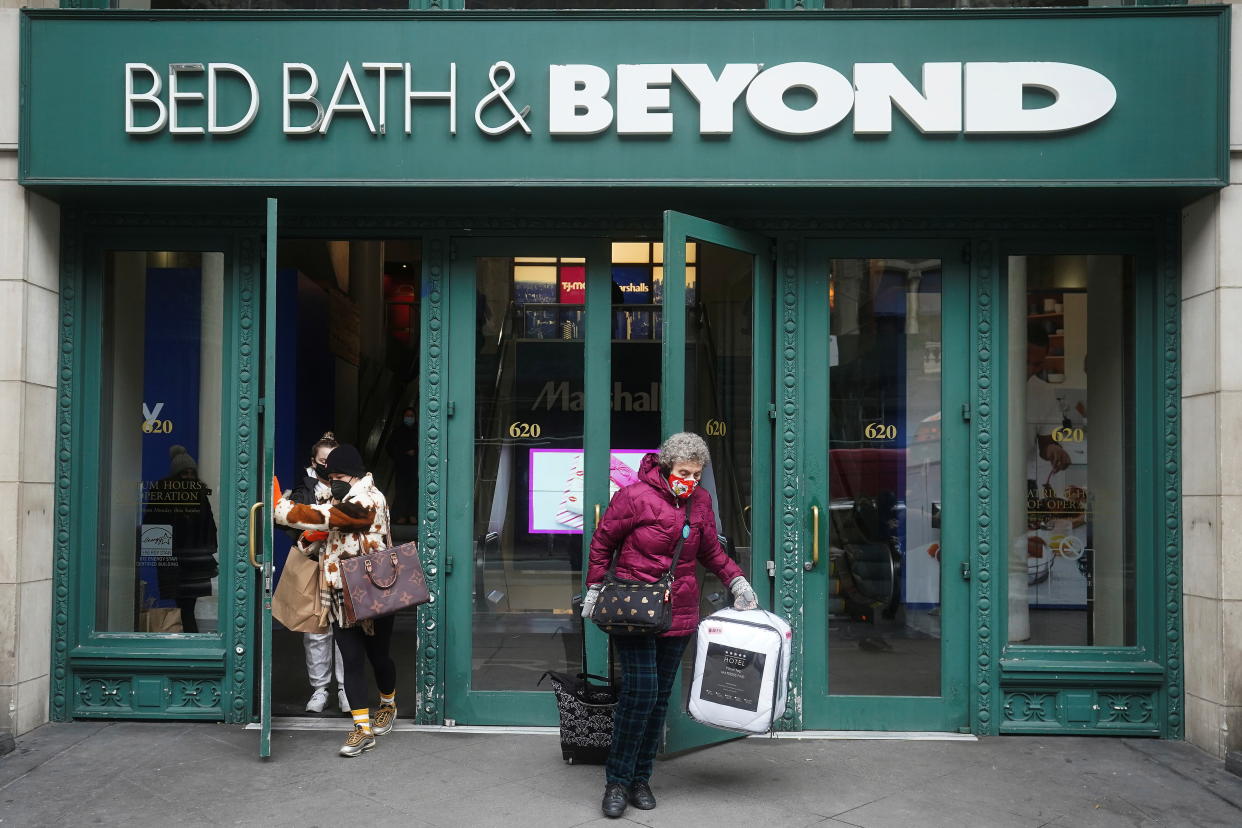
(199, 670)
(143, 675)
(682, 732)
(462, 704)
(821, 709)
(261, 513)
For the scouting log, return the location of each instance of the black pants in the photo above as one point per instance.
(356, 649)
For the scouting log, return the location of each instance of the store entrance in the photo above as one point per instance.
(347, 368)
(885, 473)
(568, 366)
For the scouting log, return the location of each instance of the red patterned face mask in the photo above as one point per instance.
(682, 487)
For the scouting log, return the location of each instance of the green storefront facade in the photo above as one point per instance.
(876, 221)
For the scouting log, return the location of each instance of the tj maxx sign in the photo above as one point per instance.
(632, 99)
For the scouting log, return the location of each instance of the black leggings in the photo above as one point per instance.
(356, 648)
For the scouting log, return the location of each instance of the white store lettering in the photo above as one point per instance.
(584, 100)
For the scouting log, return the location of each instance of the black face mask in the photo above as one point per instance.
(340, 488)
(321, 471)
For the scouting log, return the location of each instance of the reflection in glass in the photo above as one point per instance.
(718, 393)
(528, 463)
(884, 354)
(161, 443)
(1071, 552)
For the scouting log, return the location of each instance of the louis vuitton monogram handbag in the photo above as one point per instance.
(626, 607)
(382, 582)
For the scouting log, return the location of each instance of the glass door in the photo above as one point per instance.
(718, 372)
(528, 443)
(885, 413)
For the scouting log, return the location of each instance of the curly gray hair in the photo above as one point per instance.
(683, 446)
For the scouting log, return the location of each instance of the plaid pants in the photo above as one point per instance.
(649, 666)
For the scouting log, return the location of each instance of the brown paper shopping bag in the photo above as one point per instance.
(296, 601)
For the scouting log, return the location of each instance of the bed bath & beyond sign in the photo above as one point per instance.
(635, 99)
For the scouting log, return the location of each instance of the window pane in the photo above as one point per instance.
(160, 437)
(884, 476)
(529, 470)
(1071, 440)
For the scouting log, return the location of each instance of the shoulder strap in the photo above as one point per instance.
(681, 542)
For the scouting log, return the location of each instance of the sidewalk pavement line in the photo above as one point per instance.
(309, 723)
(314, 723)
(871, 735)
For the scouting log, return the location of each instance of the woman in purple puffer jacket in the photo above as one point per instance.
(643, 524)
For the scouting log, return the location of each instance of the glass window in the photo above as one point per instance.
(884, 476)
(160, 443)
(1071, 448)
(529, 365)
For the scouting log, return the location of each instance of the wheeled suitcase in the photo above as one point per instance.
(741, 670)
(586, 704)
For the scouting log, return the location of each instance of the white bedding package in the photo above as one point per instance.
(741, 670)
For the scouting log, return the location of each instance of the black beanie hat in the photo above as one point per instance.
(345, 459)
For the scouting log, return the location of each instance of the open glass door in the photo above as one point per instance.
(717, 369)
(261, 525)
(886, 469)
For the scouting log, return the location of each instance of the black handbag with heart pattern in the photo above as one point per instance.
(626, 607)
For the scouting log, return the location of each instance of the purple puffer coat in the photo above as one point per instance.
(644, 521)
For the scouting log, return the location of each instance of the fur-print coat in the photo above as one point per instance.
(356, 525)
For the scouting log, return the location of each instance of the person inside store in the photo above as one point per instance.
(1043, 407)
(641, 526)
(403, 449)
(1044, 415)
(356, 521)
(314, 487)
(182, 502)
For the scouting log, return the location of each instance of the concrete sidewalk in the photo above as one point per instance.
(132, 773)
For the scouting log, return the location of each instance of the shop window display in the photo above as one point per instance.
(1072, 554)
(157, 567)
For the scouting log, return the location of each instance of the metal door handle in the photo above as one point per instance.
(597, 514)
(814, 561)
(256, 507)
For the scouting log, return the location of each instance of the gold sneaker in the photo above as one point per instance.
(357, 743)
(384, 719)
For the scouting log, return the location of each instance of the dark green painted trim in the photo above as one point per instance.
(432, 419)
(85, 240)
(622, 14)
(682, 731)
(58, 170)
(461, 702)
(987, 429)
(597, 424)
(69, 400)
(240, 392)
(1166, 445)
(1157, 504)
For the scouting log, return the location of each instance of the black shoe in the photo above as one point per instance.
(641, 796)
(614, 800)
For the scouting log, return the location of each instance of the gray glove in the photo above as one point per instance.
(744, 597)
(588, 600)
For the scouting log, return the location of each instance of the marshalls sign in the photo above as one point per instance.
(310, 99)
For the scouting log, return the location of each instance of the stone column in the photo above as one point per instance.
(29, 280)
